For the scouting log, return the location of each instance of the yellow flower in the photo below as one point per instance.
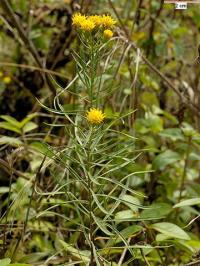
(108, 21)
(78, 19)
(1, 74)
(87, 25)
(108, 34)
(6, 80)
(96, 19)
(95, 116)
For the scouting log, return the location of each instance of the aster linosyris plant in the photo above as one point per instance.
(94, 152)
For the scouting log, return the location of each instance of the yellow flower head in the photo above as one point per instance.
(107, 21)
(6, 80)
(1, 74)
(87, 25)
(108, 34)
(96, 19)
(78, 19)
(95, 116)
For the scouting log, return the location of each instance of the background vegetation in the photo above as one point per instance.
(126, 192)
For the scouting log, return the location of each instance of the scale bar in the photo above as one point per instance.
(186, 1)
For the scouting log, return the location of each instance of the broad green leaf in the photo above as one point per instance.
(10, 140)
(123, 215)
(194, 156)
(162, 237)
(8, 126)
(11, 120)
(29, 126)
(131, 202)
(149, 98)
(188, 130)
(42, 148)
(5, 262)
(27, 119)
(194, 244)
(156, 210)
(141, 126)
(171, 230)
(155, 123)
(170, 117)
(149, 81)
(172, 133)
(188, 202)
(165, 158)
(131, 230)
(179, 49)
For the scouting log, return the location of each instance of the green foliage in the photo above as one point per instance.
(121, 192)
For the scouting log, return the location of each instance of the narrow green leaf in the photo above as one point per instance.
(79, 254)
(101, 225)
(98, 203)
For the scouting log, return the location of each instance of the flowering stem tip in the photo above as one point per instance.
(95, 116)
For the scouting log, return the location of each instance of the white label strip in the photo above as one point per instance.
(181, 5)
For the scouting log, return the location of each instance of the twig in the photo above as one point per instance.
(33, 68)
(151, 30)
(5, 165)
(197, 263)
(123, 254)
(28, 43)
(190, 105)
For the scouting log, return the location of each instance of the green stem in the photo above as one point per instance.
(185, 168)
(90, 187)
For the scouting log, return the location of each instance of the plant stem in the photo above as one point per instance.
(90, 187)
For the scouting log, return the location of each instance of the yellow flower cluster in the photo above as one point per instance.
(108, 34)
(88, 23)
(95, 116)
(78, 19)
(107, 21)
(5, 79)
